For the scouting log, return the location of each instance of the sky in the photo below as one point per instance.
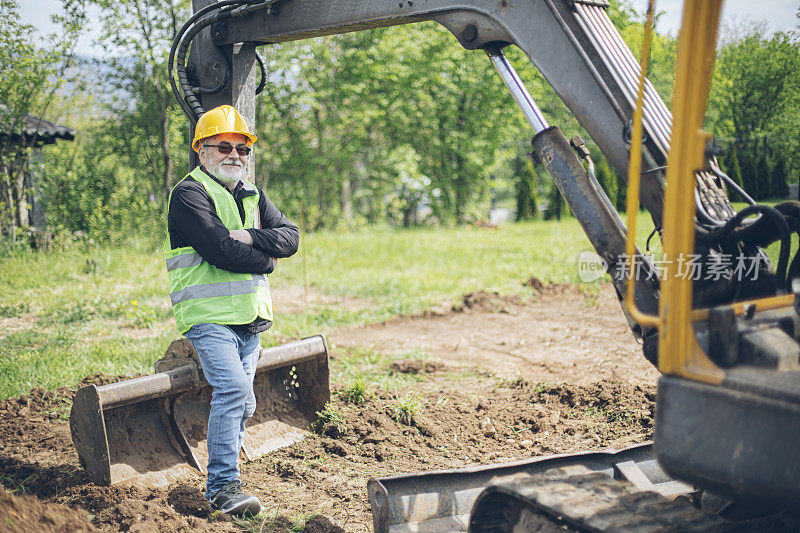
(778, 14)
(37, 13)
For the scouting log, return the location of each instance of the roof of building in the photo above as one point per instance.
(33, 130)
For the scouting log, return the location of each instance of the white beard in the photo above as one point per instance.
(226, 173)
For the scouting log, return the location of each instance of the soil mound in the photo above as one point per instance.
(121, 508)
(26, 514)
(494, 302)
(517, 420)
(320, 524)
(154, 516)
(618, 404)
(541, 287)
(534, 283)
(413, 366)
(452, 428)
(189, 500)
(38, 402)
(486, 302)
(95, 499)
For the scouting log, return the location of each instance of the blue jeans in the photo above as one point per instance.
(229, 364)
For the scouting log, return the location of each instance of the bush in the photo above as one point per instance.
(750, 177)
(764, 178)
(555, 204)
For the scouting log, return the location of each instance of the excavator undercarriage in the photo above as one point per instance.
(725, 454)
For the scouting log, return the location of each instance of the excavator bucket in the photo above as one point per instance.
(152, 430)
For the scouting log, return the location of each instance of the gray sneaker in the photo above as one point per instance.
(231, 500)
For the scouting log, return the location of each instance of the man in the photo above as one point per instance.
(224, 236)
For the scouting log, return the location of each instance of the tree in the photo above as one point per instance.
(136, 35)
(31, 75)
(555, 204)
(754, 93)
(663, 48)
(387, 123)
(607, 178)
(343, 112)
(750, 176)
(369, 123)
(94, 192)
(525, 189)
(734, 171)
(325, 146)
(764, 177)
(622, 193)
(456, 112)
(780, 188)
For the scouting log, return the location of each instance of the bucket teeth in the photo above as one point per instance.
(152, 430)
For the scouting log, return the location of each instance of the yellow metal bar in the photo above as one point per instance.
(634, 178)
(679, 353)
(763, 304)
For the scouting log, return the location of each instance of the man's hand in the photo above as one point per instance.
(242, 235)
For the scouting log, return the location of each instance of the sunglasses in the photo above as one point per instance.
(225, 149)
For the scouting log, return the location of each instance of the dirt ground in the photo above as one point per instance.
(502, 378)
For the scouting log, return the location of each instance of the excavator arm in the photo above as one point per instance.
(573, 44)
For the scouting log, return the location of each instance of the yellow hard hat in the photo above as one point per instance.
(222, 119)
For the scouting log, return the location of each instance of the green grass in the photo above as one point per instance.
(409, 266)
(356, 392)
(71, 313)
(364, 364)
(330, 421)
(406, 408)
(272, 521)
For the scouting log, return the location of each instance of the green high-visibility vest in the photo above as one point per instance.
(201, 292)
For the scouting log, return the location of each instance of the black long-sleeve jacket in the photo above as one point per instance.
(193, 221)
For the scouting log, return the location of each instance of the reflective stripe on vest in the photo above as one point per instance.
(201, 292)
(213, 290)
(192, 259)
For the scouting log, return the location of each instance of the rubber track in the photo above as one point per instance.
(588, 501)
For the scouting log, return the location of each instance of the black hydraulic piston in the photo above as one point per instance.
(590, 205)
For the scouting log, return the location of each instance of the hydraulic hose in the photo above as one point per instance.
(186, 94)
(225, 78)
(263, 70)
(178, 37)
(183, 79)
(729, 231)
(791, 210)
(188, 90)
(735, 186)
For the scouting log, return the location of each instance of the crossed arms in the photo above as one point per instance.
(193, 221)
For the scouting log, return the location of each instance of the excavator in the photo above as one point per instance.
(725, 455)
